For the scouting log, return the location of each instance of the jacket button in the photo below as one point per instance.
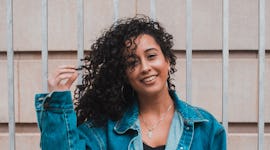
(46, 105)
(181, 147)
(187, 128)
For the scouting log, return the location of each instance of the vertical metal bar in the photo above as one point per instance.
(153, 9)
(225, 56)
(136, 7)
(10, 59)
(116, 9)
(189, 50)
(80, 35)
(261, 73)
(44, 51)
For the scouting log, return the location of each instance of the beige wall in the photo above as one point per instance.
(207, 58)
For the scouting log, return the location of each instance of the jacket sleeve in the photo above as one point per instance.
(57, 122)
(219, 140)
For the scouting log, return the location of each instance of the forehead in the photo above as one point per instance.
(141, 42)
(146, 40)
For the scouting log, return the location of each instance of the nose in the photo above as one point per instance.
(145, 66)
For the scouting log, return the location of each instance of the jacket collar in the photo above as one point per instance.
(128, 121)
(189, 113)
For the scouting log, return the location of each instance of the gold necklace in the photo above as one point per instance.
(151, 129)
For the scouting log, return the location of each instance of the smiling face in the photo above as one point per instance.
(149, 74)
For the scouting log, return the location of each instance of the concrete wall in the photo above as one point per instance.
(207, 58)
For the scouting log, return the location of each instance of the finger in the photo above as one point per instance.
(60, 71)
(59, 83)
(71, 79)
(59, 75)
(63, 68)
(67, 67)
(62, 74)
(62, 77)
(63, 71)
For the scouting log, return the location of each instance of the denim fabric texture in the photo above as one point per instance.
(192, 128)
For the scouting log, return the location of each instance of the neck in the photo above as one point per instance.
(155, 104)
(155, 114)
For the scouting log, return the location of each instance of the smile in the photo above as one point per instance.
(149, 79)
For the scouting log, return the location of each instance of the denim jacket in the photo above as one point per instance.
(192, 128)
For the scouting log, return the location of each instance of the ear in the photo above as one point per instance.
(169, 64)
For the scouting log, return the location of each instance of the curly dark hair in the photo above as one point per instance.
(105, 92)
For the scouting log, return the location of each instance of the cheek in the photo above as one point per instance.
(164, 69)
(162, 66)
(130, 75)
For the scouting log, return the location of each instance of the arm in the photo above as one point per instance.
(55, 114)
(57, 121)
(219, 141)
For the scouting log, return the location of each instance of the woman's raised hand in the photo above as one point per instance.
(62, 78)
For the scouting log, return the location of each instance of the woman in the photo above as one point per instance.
(126, 100)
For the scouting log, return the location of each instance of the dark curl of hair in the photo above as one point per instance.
(105, 93)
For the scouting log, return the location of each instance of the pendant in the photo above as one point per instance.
(149, 134)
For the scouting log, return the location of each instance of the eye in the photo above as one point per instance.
(151, 56)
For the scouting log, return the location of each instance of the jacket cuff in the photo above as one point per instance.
(54, 100)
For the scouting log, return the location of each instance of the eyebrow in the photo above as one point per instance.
(145, 51)
(149, 49)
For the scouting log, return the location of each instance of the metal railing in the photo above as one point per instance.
(10, 63)
(44, 49)
(261, 73)
(225, 63)
(80, 53)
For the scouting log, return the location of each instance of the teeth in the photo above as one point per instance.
(149, 79)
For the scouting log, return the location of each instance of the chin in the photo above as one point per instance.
(151, 91)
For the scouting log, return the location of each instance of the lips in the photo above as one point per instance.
(149, 79)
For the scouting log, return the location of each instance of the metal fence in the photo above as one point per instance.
(80, 52)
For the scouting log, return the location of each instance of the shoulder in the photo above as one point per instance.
(208, 132)
(191, 113)
(208, 123)
(201, 118)
(201, 115)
